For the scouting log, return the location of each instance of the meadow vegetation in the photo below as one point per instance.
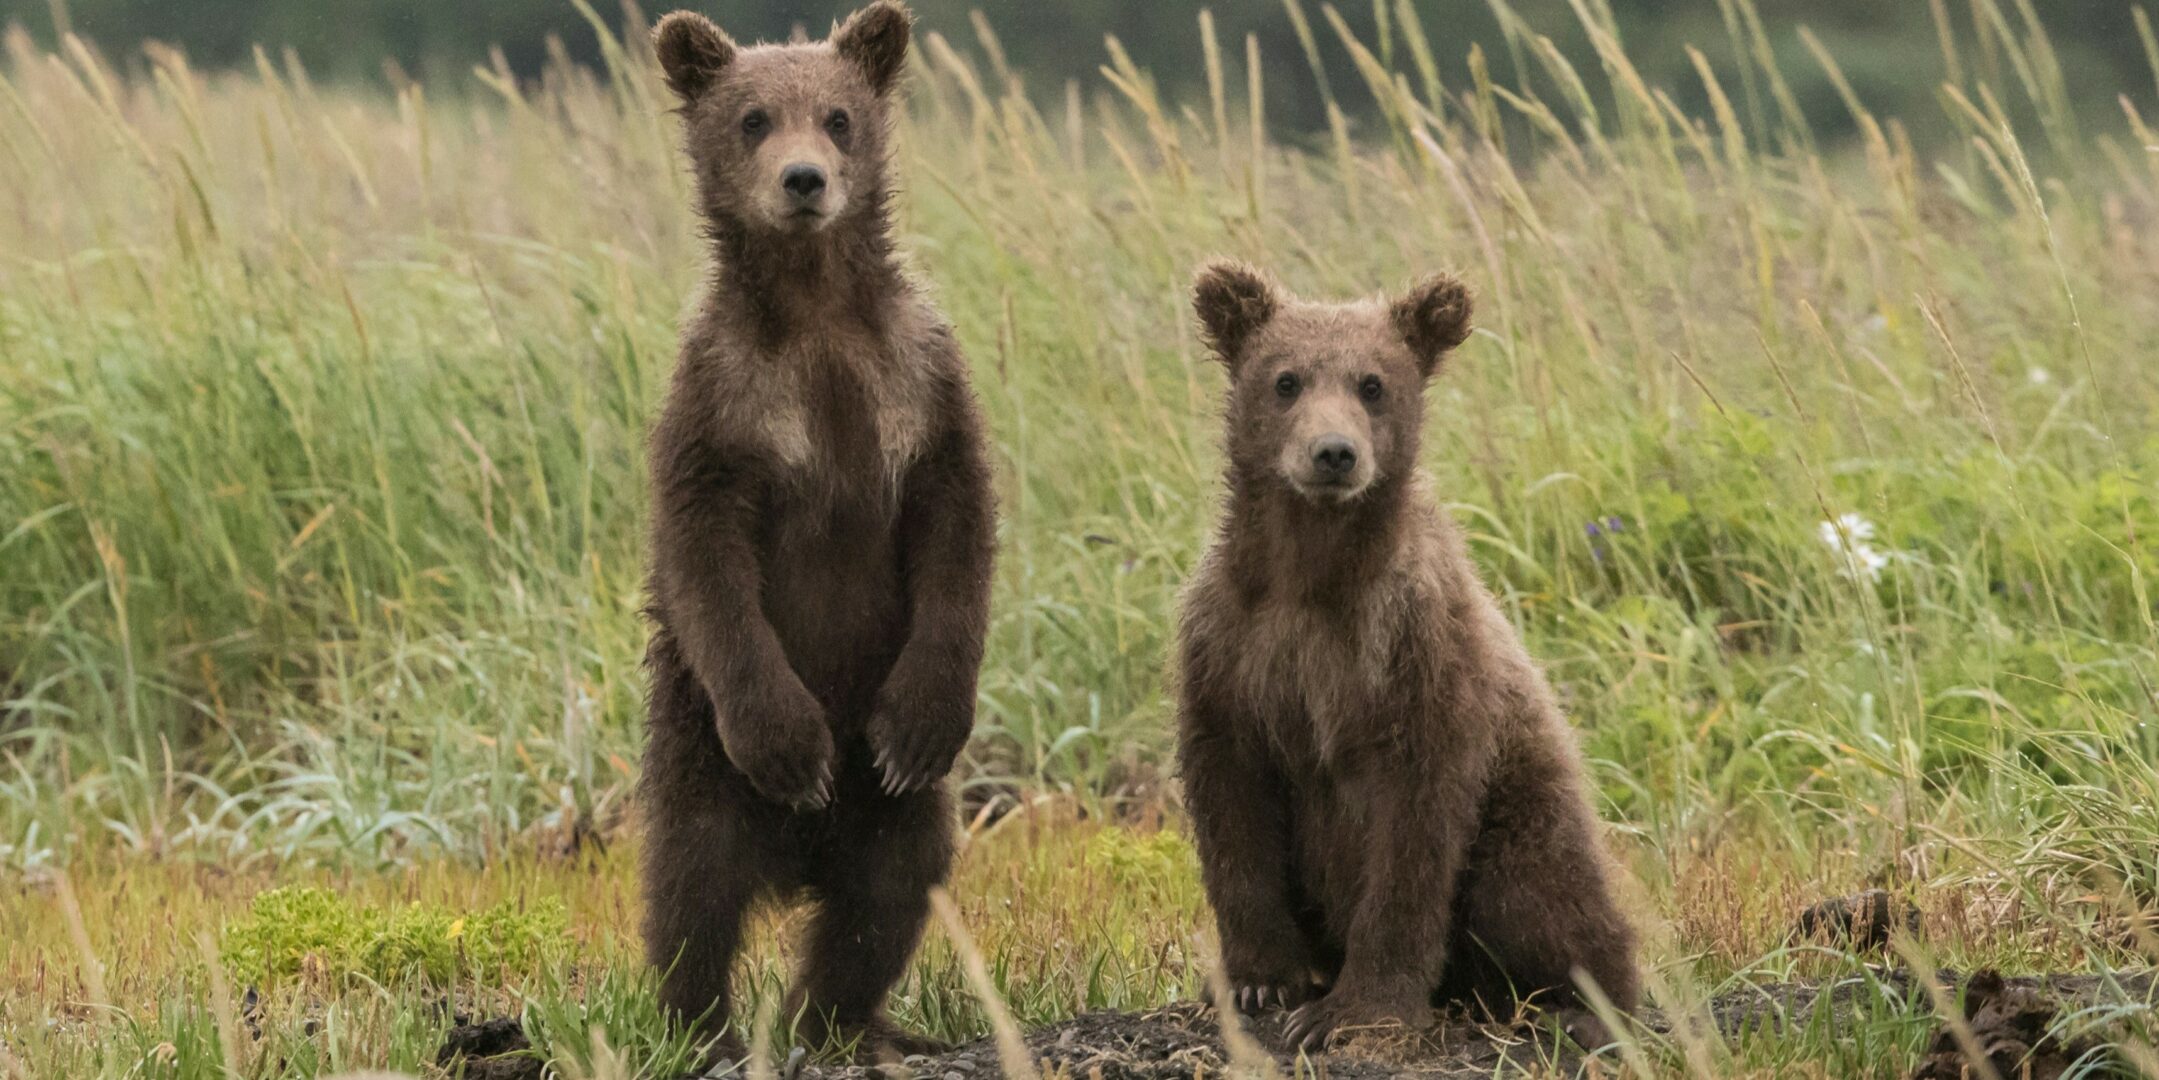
(1819, 476)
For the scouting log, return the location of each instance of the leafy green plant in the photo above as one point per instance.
(304, 930)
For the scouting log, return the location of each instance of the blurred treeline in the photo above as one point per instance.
(1890, 50)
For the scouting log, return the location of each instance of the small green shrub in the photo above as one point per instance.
(292, 930)
(1134, 859)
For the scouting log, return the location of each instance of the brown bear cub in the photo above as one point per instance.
(821, 544)
(1389, 809)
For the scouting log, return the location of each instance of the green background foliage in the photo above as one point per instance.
(1888, 48)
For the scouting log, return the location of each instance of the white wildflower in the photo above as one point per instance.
(1847, 528)
(1870, 562)
(1848, 537)
(2039, 376)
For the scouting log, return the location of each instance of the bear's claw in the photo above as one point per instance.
(819, 795)
(1253, 999)
(1310, 1027)
(894, 782)
(913, 749)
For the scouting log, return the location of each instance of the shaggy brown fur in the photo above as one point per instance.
(821, 542)
(1386, 799)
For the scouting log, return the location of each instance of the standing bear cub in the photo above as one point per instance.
(821, 544)
(1389, 809)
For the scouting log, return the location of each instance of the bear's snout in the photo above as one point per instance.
(1330, 451)
(803, 183)
(796, 181)
(1334, 457)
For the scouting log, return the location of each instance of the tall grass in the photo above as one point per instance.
(1819, 477)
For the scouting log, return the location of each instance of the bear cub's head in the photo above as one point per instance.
(1326, 400)
(787, 139)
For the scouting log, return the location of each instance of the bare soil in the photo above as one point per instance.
(1183, 1041)
(2009, 1018)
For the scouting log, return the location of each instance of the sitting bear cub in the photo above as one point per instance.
(1389, 808)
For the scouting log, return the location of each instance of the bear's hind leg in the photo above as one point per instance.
(1536, 905)
(872, 878)
(694, 908)
(710, 851)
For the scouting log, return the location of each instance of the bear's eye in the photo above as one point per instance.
(755, 122)
(1370, 389)
(1285, 385)
(837, 122)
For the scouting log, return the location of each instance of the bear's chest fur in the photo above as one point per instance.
(839, 419)
(831, 424)
(1320, 680)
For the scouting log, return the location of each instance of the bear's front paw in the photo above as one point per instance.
(1349, 1010)
(917, 732)
(1258, 983)
(784, 749)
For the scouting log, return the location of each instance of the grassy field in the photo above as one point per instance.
(1819, 477)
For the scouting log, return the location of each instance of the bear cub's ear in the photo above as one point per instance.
(1433, 317)
(1233, 301)
(693, 52)
(874, 39)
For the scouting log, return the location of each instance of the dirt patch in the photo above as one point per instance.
(1183, 1041)
(489, 1050)
(2011, 1018)
(2012, 1027)
(1863, 922)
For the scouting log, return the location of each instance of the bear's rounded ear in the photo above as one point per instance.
(874, 39)
(1233, 300)
(1433, 317)
(692, 52)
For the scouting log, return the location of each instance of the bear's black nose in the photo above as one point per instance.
(804, 182)
(1334, 456)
